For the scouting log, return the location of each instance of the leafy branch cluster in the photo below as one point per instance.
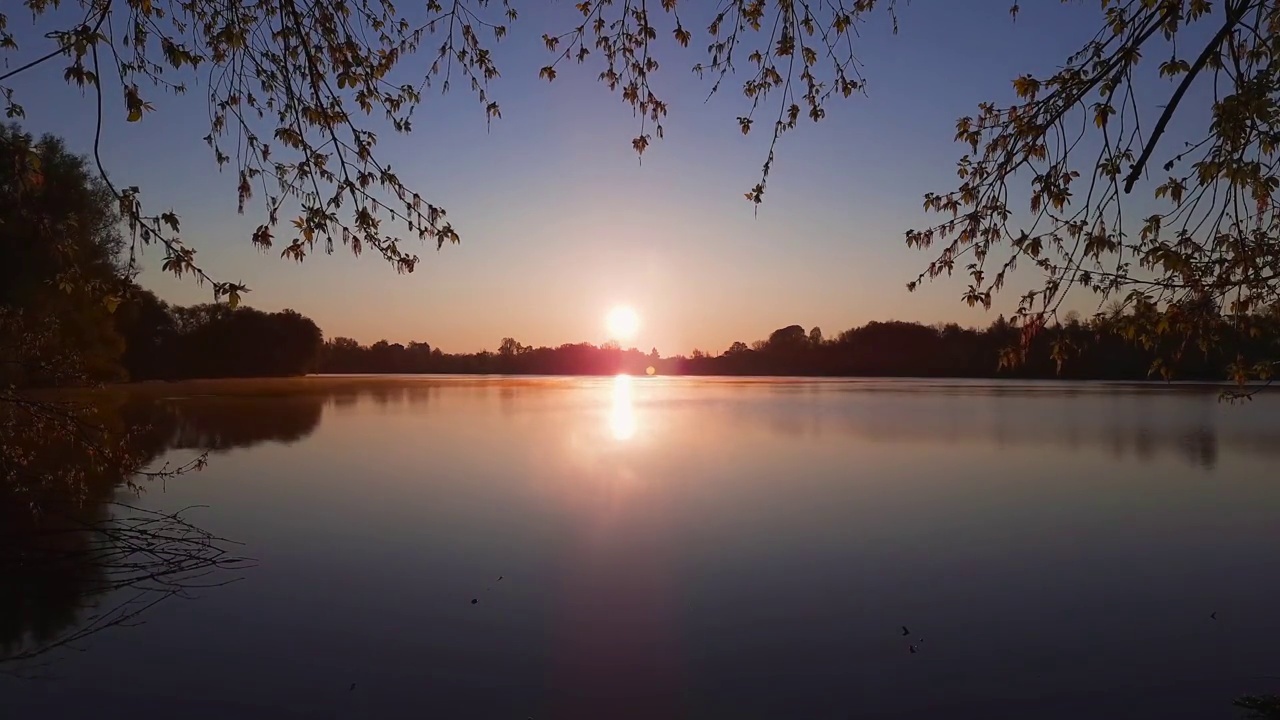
(288, 81)
(787, 44)
(1207, 257)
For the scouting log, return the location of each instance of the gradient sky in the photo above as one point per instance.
(560, 221)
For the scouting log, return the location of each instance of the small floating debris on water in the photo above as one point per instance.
(905, 631)
(475, 601)
(914, 649)
(353, 687)
(1213, 615)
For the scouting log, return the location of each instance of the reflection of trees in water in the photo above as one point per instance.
(69, 576)
(43, 577)
(229, 422)
(64, 576)
(74, 561)
(1192, 426)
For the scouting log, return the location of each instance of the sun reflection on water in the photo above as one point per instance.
(622, 418)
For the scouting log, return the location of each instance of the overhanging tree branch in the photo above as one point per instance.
(1233, 18)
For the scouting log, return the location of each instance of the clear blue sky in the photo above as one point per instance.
(560, 221)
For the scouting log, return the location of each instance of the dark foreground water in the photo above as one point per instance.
(675, 548)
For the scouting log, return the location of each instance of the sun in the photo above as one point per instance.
(622, 322)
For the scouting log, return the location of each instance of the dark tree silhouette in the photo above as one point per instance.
(1101, 349)
(218, 341)
(59, 259)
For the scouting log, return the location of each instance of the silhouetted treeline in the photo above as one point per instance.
(69, 310)
(145, 338)
(171, 342)
(344, 355)
(1097, 349)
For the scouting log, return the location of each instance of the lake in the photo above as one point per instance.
(703, 548)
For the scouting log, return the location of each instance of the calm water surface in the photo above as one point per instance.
(679, 548)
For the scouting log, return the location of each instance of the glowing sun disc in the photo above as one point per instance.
(622, 323)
